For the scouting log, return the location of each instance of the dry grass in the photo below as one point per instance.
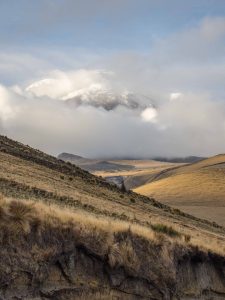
(88, 196)
(100, 229)
(56, 244)
(162, 228)
(123, 254)
(141, 168)
(67, 228)
(191, 187)
(100, 235)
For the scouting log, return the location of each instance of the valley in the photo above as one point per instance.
(68, 234)
(196, 187)
(112, 150)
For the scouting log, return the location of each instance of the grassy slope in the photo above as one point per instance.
(26, 173)
(62, 230)
(143, 171)
(196, 188)
(138, 167)
(50, 253)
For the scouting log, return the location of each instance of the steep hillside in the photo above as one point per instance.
(67, 234)
(197, 188)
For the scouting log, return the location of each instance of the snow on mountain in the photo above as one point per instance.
(97, 96)
(94, 92)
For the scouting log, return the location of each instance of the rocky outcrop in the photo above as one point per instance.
(79, 273)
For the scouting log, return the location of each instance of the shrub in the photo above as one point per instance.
(62, 177)
(165, 229)
(123, 188)
(187, 238)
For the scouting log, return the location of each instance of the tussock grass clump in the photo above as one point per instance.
(162, 228)
(20, 211)
(123, 254)
(16, 215)
(19, 216)
(187, 238)
(95, 238)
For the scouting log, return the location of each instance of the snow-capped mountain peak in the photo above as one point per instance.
(98, 96)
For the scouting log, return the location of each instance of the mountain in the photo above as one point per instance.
(98, 96)
(69, 157)
(93, 165)
(197, 188)
(67, 234)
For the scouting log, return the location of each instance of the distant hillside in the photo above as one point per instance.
(188, 159)
(67, 234)
(69, 157)
(197, 188)
(93, 165)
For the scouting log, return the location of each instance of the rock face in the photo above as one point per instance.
(201, 279)
(78, 273)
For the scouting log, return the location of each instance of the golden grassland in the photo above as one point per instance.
(141, 167)
(77, 194)
(65, 233)
(192, 187)
(62, 196)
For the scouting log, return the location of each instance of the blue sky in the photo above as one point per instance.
(171, 52)
(98, 24)
(49, 34)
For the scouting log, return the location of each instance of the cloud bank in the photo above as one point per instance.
(167, 102)
(182, 125)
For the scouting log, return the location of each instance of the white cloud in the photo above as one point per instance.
(149, 114)
(6, 110)
(175, 96)
(62, 84)
(193, 126)
(189, 63)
